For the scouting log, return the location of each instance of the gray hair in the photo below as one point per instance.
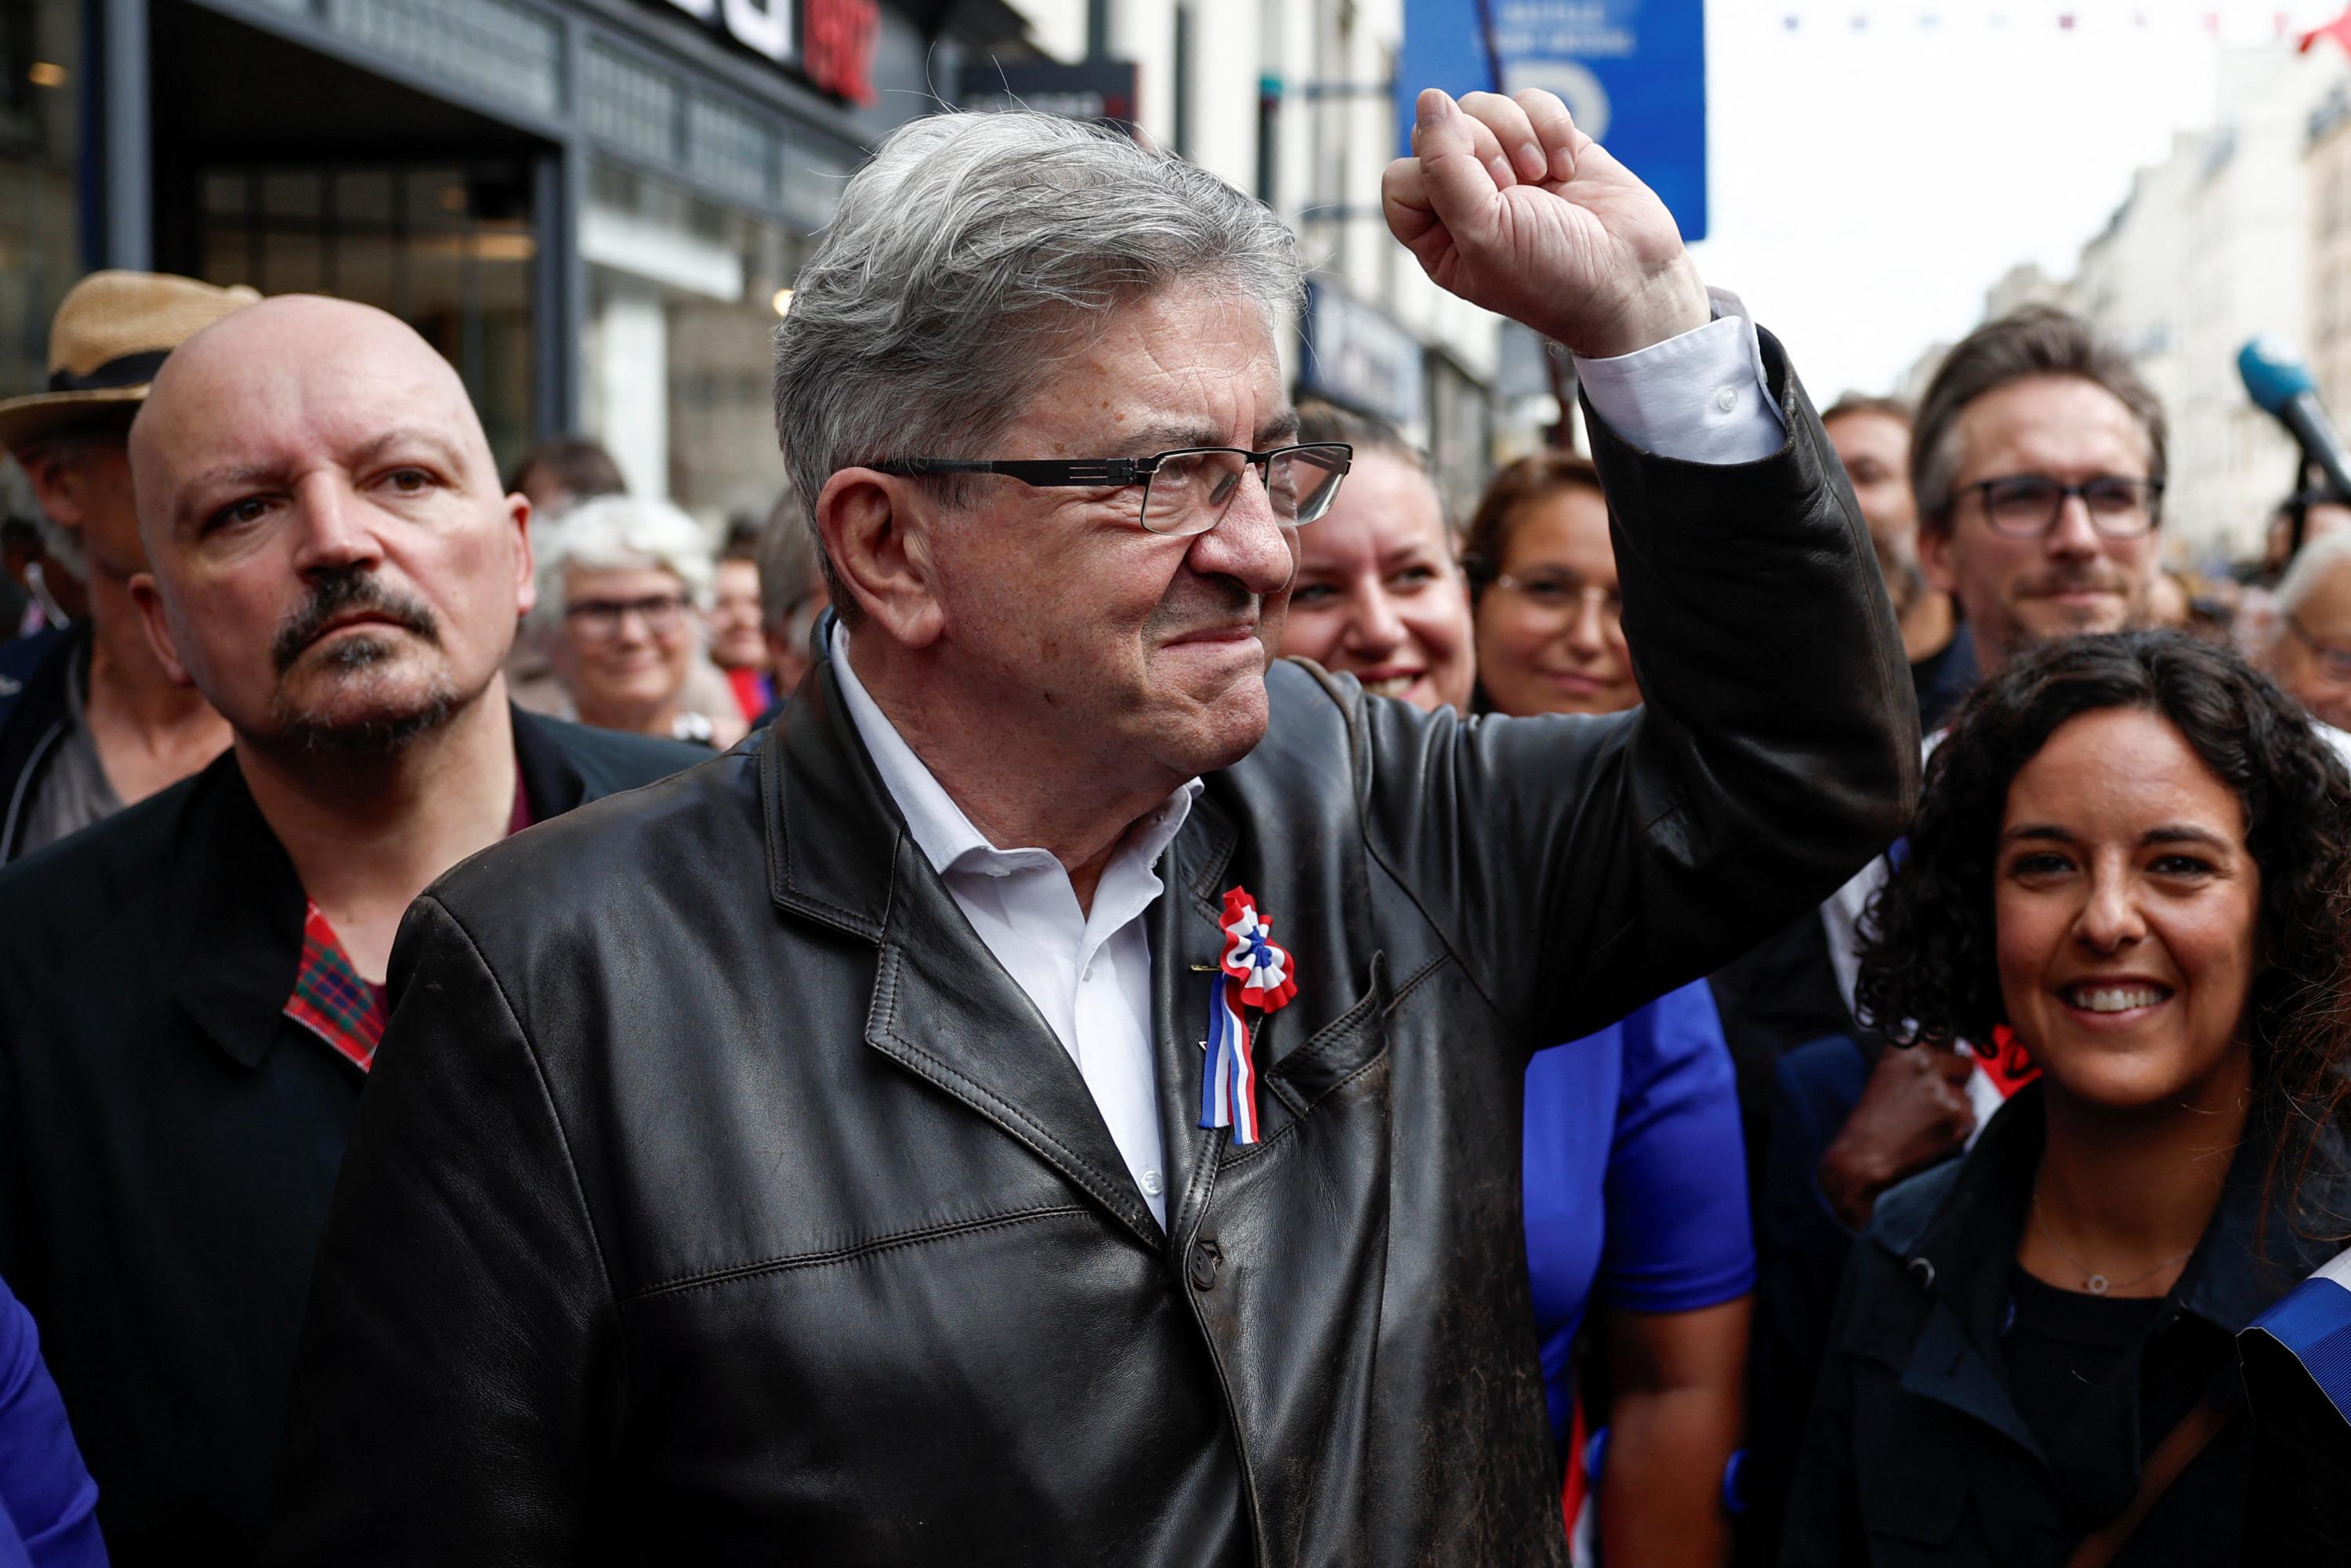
(922, 323)
(619, 533)
(2036, 340)
(2310, 567)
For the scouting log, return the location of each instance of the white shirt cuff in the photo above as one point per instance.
(1699, 398)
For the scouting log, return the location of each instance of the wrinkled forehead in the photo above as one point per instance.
(261, 417)
(1189, 366)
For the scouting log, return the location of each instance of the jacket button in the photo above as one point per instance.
(1923, 1271)
(1206, 1256)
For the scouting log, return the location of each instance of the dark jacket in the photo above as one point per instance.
(169, 1139)
(723, 1201)
(1800, 1248)
(1944, 679)
(1916, 1454)
(34, 712)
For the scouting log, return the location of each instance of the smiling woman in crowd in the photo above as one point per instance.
(2134, 851)
(1634, 1192)
(1549, 639)
(618, 586)
(1379, 595)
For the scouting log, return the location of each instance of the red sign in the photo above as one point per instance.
(837, 47)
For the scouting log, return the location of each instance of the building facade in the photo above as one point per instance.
(592, 207)
(2327, 166)
(1294, 102)
(2213, 247)
(595, 208)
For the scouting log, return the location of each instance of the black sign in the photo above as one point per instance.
(1101, 90)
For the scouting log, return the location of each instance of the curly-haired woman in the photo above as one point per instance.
(2136, 853)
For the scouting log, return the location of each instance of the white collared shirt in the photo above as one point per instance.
(1089, 972)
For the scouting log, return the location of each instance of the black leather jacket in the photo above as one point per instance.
(720, 1199)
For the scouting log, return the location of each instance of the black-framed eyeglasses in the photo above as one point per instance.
(2334, 658)
(2027, 506)
(1186, 491)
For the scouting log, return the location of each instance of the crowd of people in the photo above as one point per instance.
(1110, 983)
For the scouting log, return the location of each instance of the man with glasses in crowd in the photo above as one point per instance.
(1056, 1100)
(195, 986)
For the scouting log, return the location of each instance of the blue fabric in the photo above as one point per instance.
(49, 1505)
(1635, 1176)
(2314, 1323)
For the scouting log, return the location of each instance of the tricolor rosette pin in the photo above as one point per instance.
(1256, 973)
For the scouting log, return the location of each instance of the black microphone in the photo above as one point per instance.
(2279, 385)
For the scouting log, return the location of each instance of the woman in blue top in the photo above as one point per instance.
(1645, 1111)
(49, 1507)
(1635, 1180)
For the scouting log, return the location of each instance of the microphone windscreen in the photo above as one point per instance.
(2273, 374)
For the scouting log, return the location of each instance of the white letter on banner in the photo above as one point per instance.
(762, 24)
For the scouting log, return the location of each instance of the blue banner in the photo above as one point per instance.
(1633, 72)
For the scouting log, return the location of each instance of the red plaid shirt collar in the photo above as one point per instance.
(330, 999)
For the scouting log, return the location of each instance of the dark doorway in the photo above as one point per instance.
(293, 172)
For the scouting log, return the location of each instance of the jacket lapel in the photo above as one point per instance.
(552, 781)
(1960, 1253)
(942, 1008)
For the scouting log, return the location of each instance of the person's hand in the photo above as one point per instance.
(1913, 1114)
(1506, 203)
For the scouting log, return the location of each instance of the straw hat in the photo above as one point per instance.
(112, 333)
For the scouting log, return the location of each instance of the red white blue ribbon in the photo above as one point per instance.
(1255, 973)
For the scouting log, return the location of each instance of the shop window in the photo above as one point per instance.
(40, 250)
(682, 309)
(445, 248)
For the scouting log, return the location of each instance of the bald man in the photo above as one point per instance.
(194, 986)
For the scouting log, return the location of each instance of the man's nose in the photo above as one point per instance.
(331, 530)
(2074, 537)
(1248, 543)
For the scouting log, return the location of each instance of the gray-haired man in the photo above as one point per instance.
(907, 1142)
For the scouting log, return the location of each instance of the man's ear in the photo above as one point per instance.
(518, 508)
(56, 485)
(877, 531)
(1935, 562)
(144, 594)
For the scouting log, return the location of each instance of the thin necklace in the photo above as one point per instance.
(2097, 1284)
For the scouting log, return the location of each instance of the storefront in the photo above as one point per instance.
(592, 207)
(1356, 355)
